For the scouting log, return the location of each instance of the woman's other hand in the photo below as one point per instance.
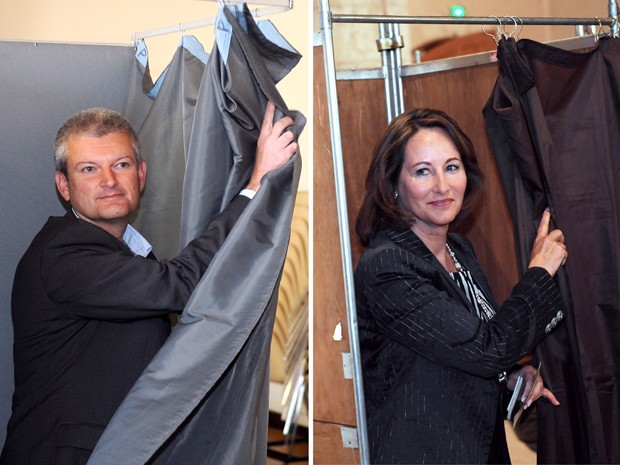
(533, 385)
(549, 251)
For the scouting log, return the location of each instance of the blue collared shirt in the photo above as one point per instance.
(133, 239)
(136, 241)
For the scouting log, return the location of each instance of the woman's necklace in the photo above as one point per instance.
(483, 303)
(457, 265)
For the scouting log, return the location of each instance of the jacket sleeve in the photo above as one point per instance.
(92, 275)
(398, 294)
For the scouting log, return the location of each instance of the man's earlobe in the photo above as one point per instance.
(62, 184)
(142, 174)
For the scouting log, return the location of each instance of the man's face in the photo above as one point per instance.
(104, 181)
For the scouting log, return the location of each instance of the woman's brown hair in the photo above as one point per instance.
(380, 207)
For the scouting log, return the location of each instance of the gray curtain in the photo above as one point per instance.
(163, 115)
(554, 124)
(246, 63)
(41, 85)
(204, 398)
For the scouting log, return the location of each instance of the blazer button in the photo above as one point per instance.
(548, 328)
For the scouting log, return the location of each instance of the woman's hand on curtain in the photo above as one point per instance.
(549, 251)
(275, 146)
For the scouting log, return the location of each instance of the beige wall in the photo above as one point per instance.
(354, 44)
(115, 21)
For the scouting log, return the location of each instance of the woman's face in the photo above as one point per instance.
(432, 181)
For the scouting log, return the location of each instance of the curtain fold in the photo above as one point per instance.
(204, 397)
(162, 114)
(553, 120)
(247, 61)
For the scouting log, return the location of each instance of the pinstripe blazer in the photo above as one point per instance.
(430, 365)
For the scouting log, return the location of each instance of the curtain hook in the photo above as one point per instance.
(609, 32)
(505, 33)
(520, 29)
(516, 32)
(500, 26)
(597, 36)
(496, 37)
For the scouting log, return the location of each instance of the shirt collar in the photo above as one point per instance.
(136, 241)
(133, 239)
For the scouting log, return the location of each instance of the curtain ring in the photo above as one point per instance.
(505, 31)
(496, 38)
(597, 35)
(520, 29)
(516, 29)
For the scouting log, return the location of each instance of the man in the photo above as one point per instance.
(90, 301)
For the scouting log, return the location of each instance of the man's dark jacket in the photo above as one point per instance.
(88, 316)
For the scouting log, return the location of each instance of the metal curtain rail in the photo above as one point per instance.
(391, 56)
(474, 20)
(343, 223)
(279, 7)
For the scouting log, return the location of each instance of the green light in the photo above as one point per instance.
(457, 10)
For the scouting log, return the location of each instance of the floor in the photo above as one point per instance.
(286, 451)
(296, 453)
(520, 452)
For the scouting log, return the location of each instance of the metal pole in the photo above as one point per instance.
(278, 6)
(398, 85)
(613, 14)
(474, 20)
(389, 44)
(343, 222)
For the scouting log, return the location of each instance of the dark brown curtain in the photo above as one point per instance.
(553, 119)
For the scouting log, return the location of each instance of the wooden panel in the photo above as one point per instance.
(466, 44)
(462, 94)
(328, 449)
(363, 121)
(333, 395)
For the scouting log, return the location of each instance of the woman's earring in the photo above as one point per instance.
(395, 194)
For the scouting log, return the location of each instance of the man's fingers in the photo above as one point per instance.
(287, 137)
(280, 126)
(270, 111)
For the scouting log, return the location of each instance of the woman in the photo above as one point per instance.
(435, 345)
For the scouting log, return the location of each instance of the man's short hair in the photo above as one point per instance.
(96, 122)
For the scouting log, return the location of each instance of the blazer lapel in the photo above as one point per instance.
(411, 243)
